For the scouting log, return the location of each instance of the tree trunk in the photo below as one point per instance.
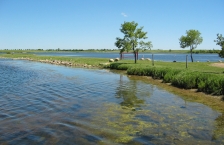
(137, 55)
(191, 57)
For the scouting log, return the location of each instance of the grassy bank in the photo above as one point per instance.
(201, 76)
(70, 61)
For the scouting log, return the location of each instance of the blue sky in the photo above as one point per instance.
(94, 24)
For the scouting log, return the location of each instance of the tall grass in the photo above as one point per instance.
(209, 83)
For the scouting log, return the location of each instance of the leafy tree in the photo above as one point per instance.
(192, 39)
(145, 45)
(220, 42)
(132, 34)
(123, 45)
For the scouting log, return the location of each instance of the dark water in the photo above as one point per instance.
(49, 104)
(157, 57)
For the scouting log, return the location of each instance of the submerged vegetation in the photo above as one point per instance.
(124, 123)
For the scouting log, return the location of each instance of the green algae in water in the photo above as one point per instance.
(123, 125)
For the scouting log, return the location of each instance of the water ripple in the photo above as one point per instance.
(49, 104)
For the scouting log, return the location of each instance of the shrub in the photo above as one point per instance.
(205, 82)
(140, 71)
(120, 66)
(159, 73)
(214, 85)
(169, 76)
(201, 81)
(185, 79)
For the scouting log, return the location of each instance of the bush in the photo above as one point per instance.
(159, 73)
(169, 76)
(140, 71)
(186, 80)
(204, 82)
(119, 66)
(214, 85)
(201, 81)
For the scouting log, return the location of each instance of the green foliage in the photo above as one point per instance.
(185, 79)
(140, 71)
(211, 84)
(205, 82)
(221, 53)
(169, 76)
(159, 73)
(201, 81)
(123, 45)
(192, 39)
(220, 42)
(119, 66)
(132, 34)
(145, 45)
(205, 51)
(156, 73)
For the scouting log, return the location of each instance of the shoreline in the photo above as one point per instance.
(215, 102)
(60, 62)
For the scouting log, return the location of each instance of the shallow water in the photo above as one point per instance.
(49, 104)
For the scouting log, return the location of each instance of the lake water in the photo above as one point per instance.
(49, 104)
(157, 57)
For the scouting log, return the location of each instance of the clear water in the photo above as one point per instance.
(49, 104)
(158, 57)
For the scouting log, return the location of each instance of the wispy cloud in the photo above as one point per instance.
(123, 14)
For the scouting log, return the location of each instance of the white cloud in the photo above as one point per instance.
(123, 14)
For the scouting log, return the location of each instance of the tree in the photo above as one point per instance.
(145, 45)
(220, 42)
(132, 35)
(192, 39)
(123, 45)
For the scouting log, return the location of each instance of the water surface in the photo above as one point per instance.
(158, 57)
(49, 104)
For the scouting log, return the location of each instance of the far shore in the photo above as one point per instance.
(154, 51)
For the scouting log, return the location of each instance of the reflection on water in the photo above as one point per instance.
(129, 92)
(48, 104)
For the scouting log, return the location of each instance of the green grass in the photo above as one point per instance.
(75, 60)
(195, 66)
(199, 75)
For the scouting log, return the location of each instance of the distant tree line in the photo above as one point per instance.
(58, 49)
(205, 51)
(81, 49)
